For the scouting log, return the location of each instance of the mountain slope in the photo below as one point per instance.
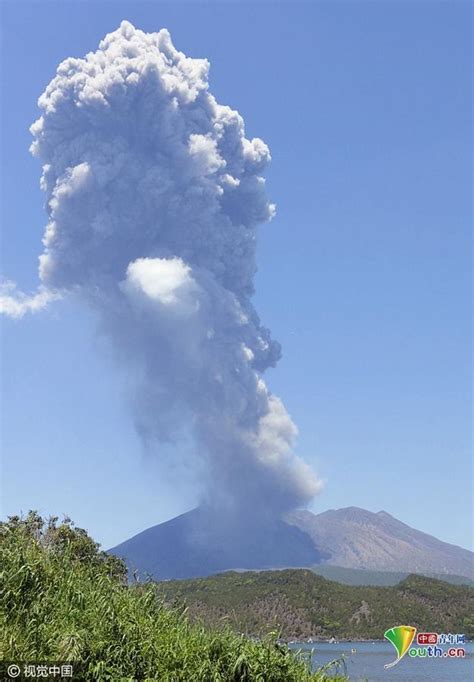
(356, 538)
(300, 604)
(361, 576)
(195, 544)
(199, 544)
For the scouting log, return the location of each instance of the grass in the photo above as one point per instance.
(62, 599)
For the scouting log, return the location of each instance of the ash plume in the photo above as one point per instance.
(154, 196)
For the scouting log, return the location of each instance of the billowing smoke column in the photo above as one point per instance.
(154, 195)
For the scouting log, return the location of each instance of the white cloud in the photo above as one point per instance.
(165, 281)
(16, 304)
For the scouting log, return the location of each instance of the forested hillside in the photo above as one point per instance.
(301, 604)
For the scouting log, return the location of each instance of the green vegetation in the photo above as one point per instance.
(62, 599)
(301, 604)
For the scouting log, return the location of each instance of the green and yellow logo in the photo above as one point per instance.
(401, 638)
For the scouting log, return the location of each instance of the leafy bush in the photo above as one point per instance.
(62, 599)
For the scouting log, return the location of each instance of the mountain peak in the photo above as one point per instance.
(357, 538)
(194, 544)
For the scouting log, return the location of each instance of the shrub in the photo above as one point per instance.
(62, 599)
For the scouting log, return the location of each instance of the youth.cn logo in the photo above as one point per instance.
(401, 638)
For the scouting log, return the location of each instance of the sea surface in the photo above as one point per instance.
(370, 657)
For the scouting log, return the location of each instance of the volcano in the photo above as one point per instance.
(199, 543)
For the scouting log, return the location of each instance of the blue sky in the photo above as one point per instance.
(364, 276)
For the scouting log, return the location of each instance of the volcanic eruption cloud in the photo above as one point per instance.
(154, 195)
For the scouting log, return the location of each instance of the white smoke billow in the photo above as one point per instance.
(154, 195)
(16, 304)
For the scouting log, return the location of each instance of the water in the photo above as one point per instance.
(368, 663)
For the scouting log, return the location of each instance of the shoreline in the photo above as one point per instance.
(343, 641)
(327, 641)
